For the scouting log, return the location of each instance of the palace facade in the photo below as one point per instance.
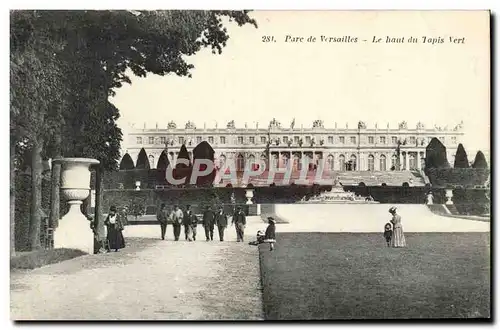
(339, 148)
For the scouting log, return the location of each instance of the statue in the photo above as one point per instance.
(230, 124)
(318, 124)
(361, 125)
(190, 125)
(403, 125)
(459, 126)
(171, 125)
(274, 124)
(420, 125)
(246, 126)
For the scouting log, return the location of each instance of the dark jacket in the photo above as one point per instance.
(208, 218)
(239, 217)
(161, 215)
(221, 219)
(270, 231)
(189, 218)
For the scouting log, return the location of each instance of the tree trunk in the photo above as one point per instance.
(99, 222)
(56, 184)
(12, 199)
(36, 195)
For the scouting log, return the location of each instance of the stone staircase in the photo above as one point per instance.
(377, 178)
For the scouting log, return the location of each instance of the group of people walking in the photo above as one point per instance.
(212, 217)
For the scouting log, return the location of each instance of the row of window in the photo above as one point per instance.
(297, 140)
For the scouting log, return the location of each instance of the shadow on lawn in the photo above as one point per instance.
(355, 276)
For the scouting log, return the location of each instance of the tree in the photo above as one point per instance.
(163, 162)
(480, 161)
(205, 151)
(461, 160)
(73, 60)
(142, 160)
(435, 156)
(127, 163)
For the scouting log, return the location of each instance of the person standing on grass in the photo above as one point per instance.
(209, 223)
(177, 218)
(221, 222)
(162, 217)
(114, 225)
(398, 237)
(240, 222)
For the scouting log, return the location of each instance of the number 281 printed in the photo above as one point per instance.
(268, 39)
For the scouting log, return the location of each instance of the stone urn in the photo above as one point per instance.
(449, 196)
(249, 196)
(74, 230)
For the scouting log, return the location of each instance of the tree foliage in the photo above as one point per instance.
(163, 162)
(127, 163)
(461, 160)
(435, 156)
(480, 161)
(183, 154)
(142, 160)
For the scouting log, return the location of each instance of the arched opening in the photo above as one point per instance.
(383, 163)
(406, 184)
(384, 184)
(329, 162)
(297, 166)
(251, 162)
(362, 184)
(240, 163)
(371, 163)
(351, 165)
(342, 165)
(394, 161)
(151, 159)
(413, 161)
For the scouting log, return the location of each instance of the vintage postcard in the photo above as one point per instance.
(250, 165)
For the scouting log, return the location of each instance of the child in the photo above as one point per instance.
(269, 236)
(388, 233)
(260, 238)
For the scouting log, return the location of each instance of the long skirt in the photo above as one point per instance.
(115, 238)
(398, 238)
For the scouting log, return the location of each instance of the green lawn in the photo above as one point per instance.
(355, 276)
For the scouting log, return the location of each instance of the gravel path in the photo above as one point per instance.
(148, 280)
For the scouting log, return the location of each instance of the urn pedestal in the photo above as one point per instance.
(449, 196)
(249, 196)
(74, 230)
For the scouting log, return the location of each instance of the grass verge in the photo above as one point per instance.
(37, 259)
(354, 276)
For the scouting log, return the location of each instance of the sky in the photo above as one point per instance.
(255, 81)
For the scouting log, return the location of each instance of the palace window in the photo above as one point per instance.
(308, 139)
(252, 139)
(394, 140)
(330, 140)
(454, 139)
(211, 139)
(263, 139)
(240, 139)
(198, 139)
(442, 139)
(285, 139)
(296, 139)
(163, 140)
(382, 139)
(139, 140)
(353, 140)
(342, 139)
(222, 140)
(412, 140)
(371, 140)
(371, 163)
(181, 140)
(151, 140)
(383, 165)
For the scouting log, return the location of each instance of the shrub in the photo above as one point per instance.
(142, 160)
(37, 259)
(480, 161)
(461, 160)
(435, 155)
(127, 163)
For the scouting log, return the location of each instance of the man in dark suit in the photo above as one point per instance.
(221, 222)
(190, 224)
(240, 221)
(208, 223)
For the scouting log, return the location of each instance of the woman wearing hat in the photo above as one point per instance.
(114, 225)
(398, 237)
(270, 236)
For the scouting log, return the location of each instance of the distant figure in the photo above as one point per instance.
(114, 224)
(221, 222)
(410, 182)
(190, 224)
(177, 218)
(270, 233)
(162, 217)
(430, 198)
(240, 221)
(398, 237)
(388, 233)
(209, 223)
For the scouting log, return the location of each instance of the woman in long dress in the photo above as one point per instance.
(114, 225)
(398, 237)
